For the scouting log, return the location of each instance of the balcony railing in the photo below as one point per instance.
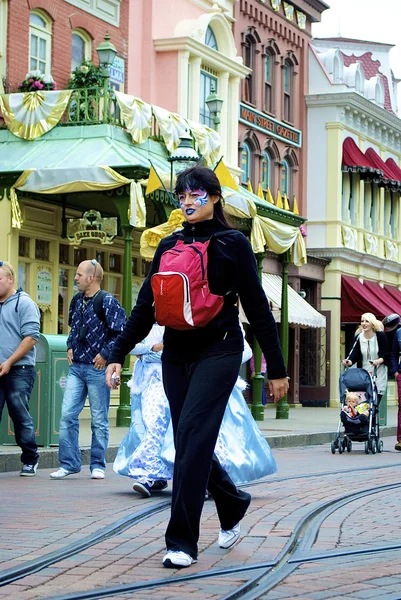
(94, 106)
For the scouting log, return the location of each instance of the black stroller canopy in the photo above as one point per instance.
(356, 380)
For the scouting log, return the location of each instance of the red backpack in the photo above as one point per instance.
(181, 291)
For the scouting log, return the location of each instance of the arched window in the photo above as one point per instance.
(287, 89)
(245, 163)
(207, 81)
(285, 178)
(81, 48)
(265, 171)
(40, 41)
(336, 70)
(249, 60)
(269, 82)
(210, 39)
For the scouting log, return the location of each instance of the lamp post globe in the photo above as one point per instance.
(183, 157)
(214, 104)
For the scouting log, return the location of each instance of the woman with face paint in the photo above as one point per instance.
(201, 365)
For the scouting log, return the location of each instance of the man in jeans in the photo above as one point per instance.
(96, 318)
(19, 327)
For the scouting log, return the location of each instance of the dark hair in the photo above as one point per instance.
(197, 177)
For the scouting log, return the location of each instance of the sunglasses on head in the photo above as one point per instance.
(94, 263)
(1, 263)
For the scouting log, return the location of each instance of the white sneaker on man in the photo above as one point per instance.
(61, 473)
(97, 474)
(227, 538)
(175, 559)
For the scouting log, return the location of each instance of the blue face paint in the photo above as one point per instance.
(202, 199)
(199, 198)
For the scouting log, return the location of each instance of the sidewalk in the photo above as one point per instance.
(304, 427)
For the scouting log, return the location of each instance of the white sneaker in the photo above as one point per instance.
(175, 559)
(97, 474)
(61, 473)
(229, 537)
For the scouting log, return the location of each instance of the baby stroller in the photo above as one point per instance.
(358, 429)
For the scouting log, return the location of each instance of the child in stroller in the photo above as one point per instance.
(359, 413)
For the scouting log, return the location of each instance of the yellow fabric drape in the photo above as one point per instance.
(64, 181)
(29, 115)
(151, 237)
(208, 141)
(171, 126)
(136, 115)
(265, 232)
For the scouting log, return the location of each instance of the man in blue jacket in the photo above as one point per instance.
(19, 326)
(94, 328)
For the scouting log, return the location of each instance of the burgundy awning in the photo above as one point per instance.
(396, 295)
(375, 160)
(355, 160)
(394, 168)
(358, 298)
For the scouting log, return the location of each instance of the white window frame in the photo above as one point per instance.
(42, 33)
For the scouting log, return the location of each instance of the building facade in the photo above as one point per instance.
(273, 38)
(354, 155)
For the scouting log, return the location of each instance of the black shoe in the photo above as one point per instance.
(159, 486)
(142, 488)
(28, 470)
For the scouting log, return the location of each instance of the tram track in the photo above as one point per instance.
(269, 573)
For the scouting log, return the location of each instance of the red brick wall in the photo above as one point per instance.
(65, 17)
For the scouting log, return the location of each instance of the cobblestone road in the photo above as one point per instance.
(40, 516)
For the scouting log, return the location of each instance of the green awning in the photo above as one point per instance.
(79, 146)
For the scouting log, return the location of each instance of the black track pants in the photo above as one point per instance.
(198, 394)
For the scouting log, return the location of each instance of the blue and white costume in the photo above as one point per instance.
(147, 452)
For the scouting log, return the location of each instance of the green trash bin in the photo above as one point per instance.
(47, 394)
(383, 410)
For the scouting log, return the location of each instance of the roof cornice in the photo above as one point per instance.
(355, 257)
(352, 101)
(217, 59)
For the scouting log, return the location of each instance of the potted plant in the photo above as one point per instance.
(35, 81)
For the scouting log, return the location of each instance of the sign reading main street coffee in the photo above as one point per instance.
(270, 126)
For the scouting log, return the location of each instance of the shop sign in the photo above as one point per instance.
(117, 74)
(92, 226)
(44, 288)
(270, 126)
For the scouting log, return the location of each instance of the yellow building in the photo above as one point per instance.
(354, 184)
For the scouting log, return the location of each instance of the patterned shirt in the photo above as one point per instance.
(89, 335)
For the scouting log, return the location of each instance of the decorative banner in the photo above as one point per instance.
(137, 116)
(92, 227)
(44, 288)
(84, 179)
(208, 140)
(32, 114)
(288, 11)
(301, 19)
(171, 126)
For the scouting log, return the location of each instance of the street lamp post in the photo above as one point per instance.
(106, 52)
(214, 104)
(184, 156)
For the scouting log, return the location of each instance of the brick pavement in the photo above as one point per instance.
(39, 516)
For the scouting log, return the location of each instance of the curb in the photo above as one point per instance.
(49, 456)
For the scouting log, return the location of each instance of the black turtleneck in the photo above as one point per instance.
(232, 272)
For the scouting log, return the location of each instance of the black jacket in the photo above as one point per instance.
(232, 272)
(395, 365)
(382, 350)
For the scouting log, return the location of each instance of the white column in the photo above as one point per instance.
(232, 122)
(194, 88)
(183, 83)
(223, 92)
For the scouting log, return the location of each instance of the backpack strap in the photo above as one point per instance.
(97, 305)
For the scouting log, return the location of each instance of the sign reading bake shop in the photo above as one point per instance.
(92, 226)
(272, 127)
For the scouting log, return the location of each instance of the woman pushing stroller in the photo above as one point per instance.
(370, 351)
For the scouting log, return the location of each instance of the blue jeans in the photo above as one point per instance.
(15, 391)
(83, 381)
